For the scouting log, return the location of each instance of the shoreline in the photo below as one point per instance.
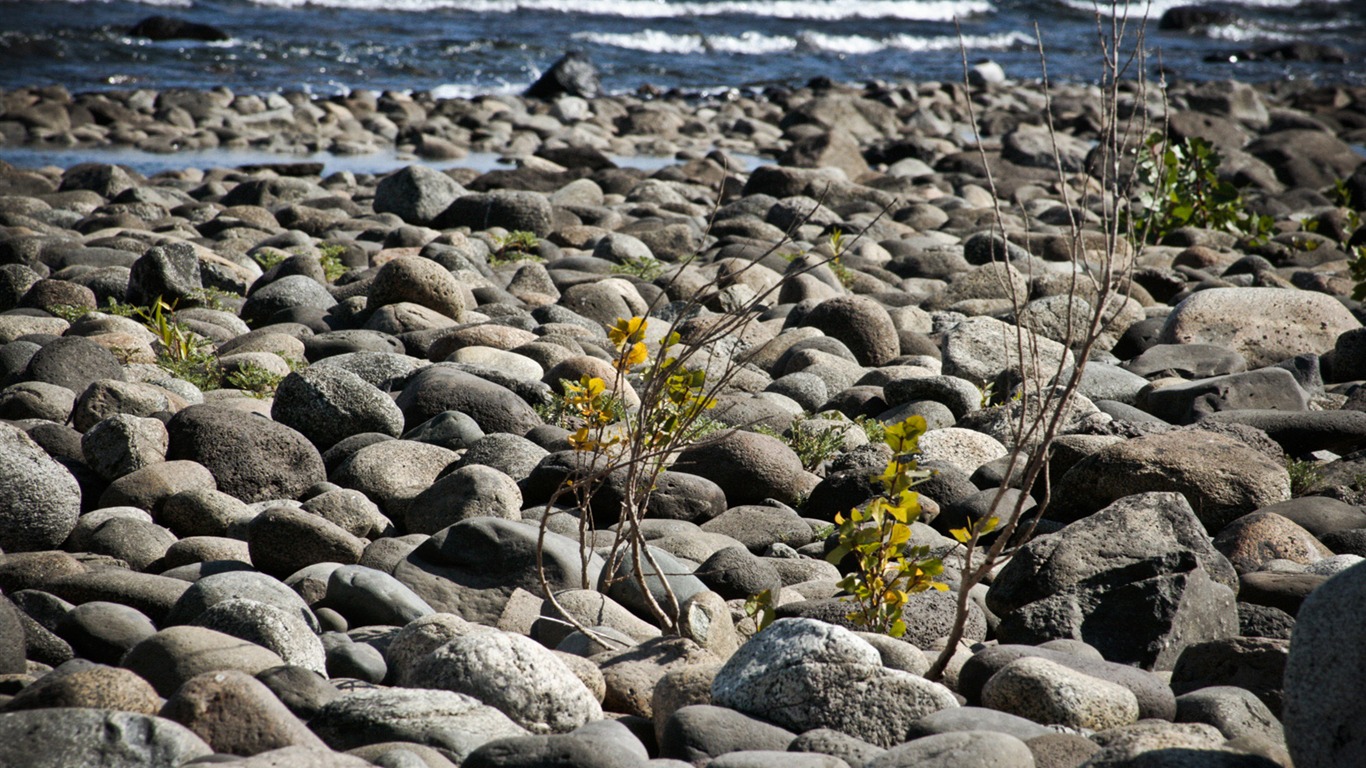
(303, 485)
(417, 126)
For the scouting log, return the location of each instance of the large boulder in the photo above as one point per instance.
(453, 723)
(443, 387)
(417, 194)
(981, 348)
(1138, 580)
(327, 404)
(514, 674)
(250, 457)
(1222, 478)
(748, 466)
(1323, 711)
(66, 736)
(803, 674)
(39, 499)
(862, 324)
(1265, 325)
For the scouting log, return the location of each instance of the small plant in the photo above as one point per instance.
(180, 351)
(760, 608)
(255, 380)
(812, 443)
(1305, 476)
(69, 312)
(269, 258)
(887, 571)
(329, 254)
(212, 298)
(515, 246)
(643, 267)
(873, 428)
(845, 275)
(1180, 187)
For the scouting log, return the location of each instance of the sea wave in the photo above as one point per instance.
(755, 43)
(823, 10)
(1155, 8)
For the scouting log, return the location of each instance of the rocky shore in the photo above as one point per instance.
(293, 518)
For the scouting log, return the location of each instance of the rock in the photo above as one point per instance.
(283, 540)
(758, 526)
(1257, 538)
(252, 458)
(168, 272)
(1067, 583)
(1220, 477)
(601, 744)
(366, 597)
(1264, 389)
(945, 750)
(279, 631)
(1305, 157)
(572, 75)
(1233, 710)
(328, 404)
(965, 449)
(290, 293)
(213, 589)
(1155, 698)
(1052, 694)
(862, 324)
(171, 28)
(122, 444)
(153, 595)
(74, 362)
(440, 388)
(417, 194)
(79, 683)
(149, 487)
(174, 655)
(81, 736)
(1264, 325)
(1257, 664)
(393, 472)
(473, 567)
(1303, 432)
(236, 714)
(420, 281)
(698, 733)
(515, 675)
(103, 632)
(978, 719)
(748, 466)
(473, 491)
(453, 723)
(804, 674)
(631, 674)
(734, 573)
(39, 499)
(979, 349)
(513, 210)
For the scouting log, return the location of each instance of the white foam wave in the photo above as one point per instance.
(1238, 33)
(823, 10)
(1154, 9)
(755, 43)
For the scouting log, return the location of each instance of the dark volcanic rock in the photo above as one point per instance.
(170, 28)
(252, 458)
(572, 75)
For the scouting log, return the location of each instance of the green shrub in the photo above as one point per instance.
(1179, 186)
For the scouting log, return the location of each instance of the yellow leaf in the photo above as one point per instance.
(626, 332)
(961, 535)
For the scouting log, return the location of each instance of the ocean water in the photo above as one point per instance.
(466, 47)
